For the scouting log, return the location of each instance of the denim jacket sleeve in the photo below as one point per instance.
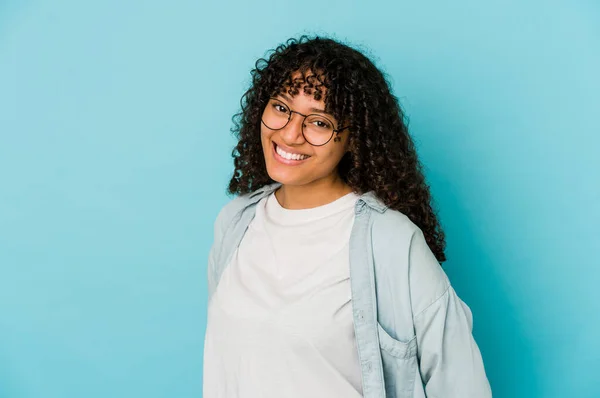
(218, 230)
(450, 362)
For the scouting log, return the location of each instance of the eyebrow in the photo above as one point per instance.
(312, 109)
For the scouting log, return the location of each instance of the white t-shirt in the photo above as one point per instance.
(280, 321)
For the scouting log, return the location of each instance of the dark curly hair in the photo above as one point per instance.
(382, 156)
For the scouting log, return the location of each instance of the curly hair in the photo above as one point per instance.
(382, 157)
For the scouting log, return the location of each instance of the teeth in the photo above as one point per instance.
(290, 156)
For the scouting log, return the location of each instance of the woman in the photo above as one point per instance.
(324, 275)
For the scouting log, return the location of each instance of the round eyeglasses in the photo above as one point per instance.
(316, 129)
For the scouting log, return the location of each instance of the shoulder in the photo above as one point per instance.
(240, 202)
(233, 209)
(229, 211)
(400, 247)
(392, 233)
(393, 224)
(233, 206)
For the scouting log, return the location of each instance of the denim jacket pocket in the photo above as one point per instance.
(399, 364)
(397, 348)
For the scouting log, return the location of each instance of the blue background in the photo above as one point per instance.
(115, 154)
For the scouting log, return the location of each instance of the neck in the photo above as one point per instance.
(317, 193)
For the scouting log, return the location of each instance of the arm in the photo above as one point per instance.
(449, 359)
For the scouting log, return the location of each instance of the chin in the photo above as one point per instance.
(285, 174)
(285, 178)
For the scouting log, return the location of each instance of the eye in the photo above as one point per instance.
(279, 108)
(322, 124)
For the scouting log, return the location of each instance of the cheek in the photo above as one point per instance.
(265, 136)
(330, 155)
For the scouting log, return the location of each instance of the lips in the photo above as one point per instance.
(285, 160)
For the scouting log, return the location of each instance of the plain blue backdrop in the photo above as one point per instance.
(115, 154)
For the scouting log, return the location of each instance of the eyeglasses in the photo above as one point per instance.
(316, 129)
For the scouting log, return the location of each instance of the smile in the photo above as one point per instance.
(286, 157)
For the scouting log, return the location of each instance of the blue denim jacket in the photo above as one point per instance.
(413, 333)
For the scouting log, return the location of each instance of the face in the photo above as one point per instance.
(316, 163)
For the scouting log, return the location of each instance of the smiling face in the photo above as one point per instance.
(289, 158)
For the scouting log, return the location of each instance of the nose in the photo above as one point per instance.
(292, 132)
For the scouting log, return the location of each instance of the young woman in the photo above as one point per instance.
(324, 274)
